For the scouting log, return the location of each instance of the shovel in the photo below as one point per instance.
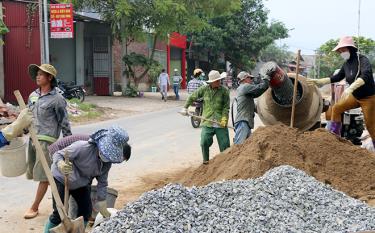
(209, 120)
(67, 225)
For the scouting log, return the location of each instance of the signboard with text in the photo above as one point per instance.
(61, 16)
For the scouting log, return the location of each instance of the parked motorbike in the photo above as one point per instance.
(195, 122)
(71, 91)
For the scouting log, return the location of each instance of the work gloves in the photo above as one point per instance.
(224, 122)
(354, 86)
(318, 82)
(102, 207)
(184, 112)
(23, 121)
(65, 168)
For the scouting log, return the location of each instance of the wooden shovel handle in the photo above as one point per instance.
(66, 182)
(39, 152)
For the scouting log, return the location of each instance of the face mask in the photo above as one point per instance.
(345, 55)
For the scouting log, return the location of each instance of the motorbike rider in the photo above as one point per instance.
(361, 93)
(196, 81)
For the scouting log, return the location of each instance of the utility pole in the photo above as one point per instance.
(41, 34)
(46, 42)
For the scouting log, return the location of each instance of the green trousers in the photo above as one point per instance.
(207, 134)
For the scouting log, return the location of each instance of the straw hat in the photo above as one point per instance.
(33, 70)
(213, 76)
(346, 41)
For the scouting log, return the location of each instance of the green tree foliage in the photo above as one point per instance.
(240, 36)
(130, 19)
(330, 60)
(278, 54)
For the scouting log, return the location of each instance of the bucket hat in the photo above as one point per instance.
(33, 71)
(243, 75)
(213, 76)
(346, 41)
(111, 142)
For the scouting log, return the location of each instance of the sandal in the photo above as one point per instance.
(30, 214)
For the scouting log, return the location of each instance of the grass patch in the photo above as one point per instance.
(86, 111)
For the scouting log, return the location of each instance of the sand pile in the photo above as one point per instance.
(329, 159)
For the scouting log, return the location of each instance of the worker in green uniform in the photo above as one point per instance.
(215, 110)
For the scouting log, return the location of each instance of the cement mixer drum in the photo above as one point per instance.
(309, 106)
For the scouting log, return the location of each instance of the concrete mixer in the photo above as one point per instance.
(275, 105)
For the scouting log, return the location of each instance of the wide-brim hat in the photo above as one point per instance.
(33, 71)
(111, 143)
(346, 41)
(214, 76)
(243, 75)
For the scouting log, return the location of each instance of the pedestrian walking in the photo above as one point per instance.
(215, 108)
(164, 83)
(50, 119)
(246, 92)
(177, 79)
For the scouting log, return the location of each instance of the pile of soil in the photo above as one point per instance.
(328, 158)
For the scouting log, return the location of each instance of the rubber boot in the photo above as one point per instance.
(49, 225)
(336, 128)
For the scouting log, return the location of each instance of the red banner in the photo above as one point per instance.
(61, 16)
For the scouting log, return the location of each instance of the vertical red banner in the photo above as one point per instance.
(61, 17)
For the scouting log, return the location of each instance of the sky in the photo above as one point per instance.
(313, 22)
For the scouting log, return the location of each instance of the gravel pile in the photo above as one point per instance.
(283, 200)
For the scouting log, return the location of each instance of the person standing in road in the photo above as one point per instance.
(164, 83)
(361, 93)
(50, 119)
(177, 79)
(246, 92)
(215, 110)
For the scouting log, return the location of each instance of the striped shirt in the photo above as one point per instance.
(66, 141)
(193, 85)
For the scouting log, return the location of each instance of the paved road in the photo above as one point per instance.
(162, 141)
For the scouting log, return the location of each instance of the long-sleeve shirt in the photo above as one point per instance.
(246, 93)
(349, 71)
(193, 85)
(215, 103)
(50, 114)
(66, 141)
(86, 166)
(163, 79)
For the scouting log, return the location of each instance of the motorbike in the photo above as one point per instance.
(71, 91)
(198, 109)
(353, 125)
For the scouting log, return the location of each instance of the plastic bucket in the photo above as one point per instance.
(13, 158)
(111, 200)
(153, 89)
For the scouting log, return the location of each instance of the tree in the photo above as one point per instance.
(240, 36)
(330, 60)
(280, 55)
(130, 19)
